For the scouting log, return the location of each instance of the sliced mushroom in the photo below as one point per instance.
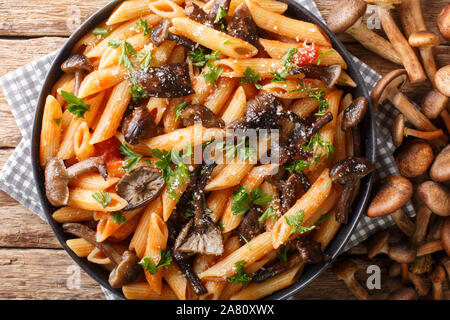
(126, 267)
(400, 131)
(242, 26)
(166, 81)
(57, 177)
(250, 227)
(139, 125)
(303, 131)
(393, 194)
(354, 113)
(195, 12)
(346, 173)
(436, 196)
(328, 74)
(77, 64)
(200, 234)
(197, 113)
(186, 268)
(162, 33)
(140, 186)
(440, 170)
(219, 24)
(414, 158)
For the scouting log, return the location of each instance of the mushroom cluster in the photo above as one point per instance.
(416, 248)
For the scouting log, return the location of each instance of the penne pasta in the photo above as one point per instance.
(83, 199)
(50, 132)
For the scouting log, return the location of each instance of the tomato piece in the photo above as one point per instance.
(115, 168)
(109, 149)
(306, 54)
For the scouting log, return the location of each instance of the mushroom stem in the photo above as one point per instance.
(405, 274)
(427, 135)
(410, 61)
(436, 277)
(374, 42)
(429, 247)
(79, 75)
(411, 18)
(422, 221)
(356, 288)
(445, 116)
(403, 222)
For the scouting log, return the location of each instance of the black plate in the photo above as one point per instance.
(311, 271)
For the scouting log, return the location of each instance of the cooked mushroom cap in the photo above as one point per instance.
(344, 269)
(350, 170)
(328, 74)
(198, 113)
(414, 158)
(443, 22)
(195, 12)
(354, 113)
(442, 80)
(126, 271)
(86, 166)
(139, 124)
(377, 244)
(140, 186)
(241, 25)
(394, 193)
(250, 227)
(161, 32)
(166, 81)
(212, 14)
(445, 236)
(204, 239)
(403, 294)
(56, 182)
(433, 104)
(440, 170)
(345, 14)
(403, 252)
(394, 79)
(398, 130)
(424, 39)
(77, 62)
(436, 196)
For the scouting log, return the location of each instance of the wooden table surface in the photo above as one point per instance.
(32, 263)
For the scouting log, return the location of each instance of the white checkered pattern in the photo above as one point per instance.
(22, 88)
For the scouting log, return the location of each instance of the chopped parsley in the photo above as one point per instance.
(296, 221)
(127, 52)
(316, 94)
(222, 13)
(102, 197)
(57, 120)
(180, 108)
(117, 217)
(251, 76)
(228, 41)
(268, 213)
(164, 261)
(213, 73)
(131, 158)
(144, 58)
(242, 199)
(241, 276)
(300, 165)
(286, 60)
(321, 54)
(317, 141)
(199, 58)
(137, 91)
(143, 25)
(282, 254)
(102, 32)
(75, 105)
(242, 150)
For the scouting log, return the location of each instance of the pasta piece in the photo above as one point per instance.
(217, 201)
(291, 89)
(275, 203)
(82, 148)
(256, 291)
(125, 229)
(213, 39)
(113, 113)
(230, 176)
(110, 223)
(271, 5)
(303, 107)
(178, 55)
(156, 241)
(292, 28)
(83, 199)
(128, 10)
(309, 203)
(50, 131)
(159, 105)
(68, 86)
(98, 257)
(234, 68)
(202, 90)
(216, 101)
(346, 80)
(93, 181)
(277, 49)
(68, 214)
(162, 53)
(168, 202)
(171, 114)
(142, 291)
(80, 247)
(100, 80)
(177, 281)
(236, 107)
(166, 9)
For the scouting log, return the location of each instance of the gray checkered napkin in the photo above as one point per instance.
(22, 88)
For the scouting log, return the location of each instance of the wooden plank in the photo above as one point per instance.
(43, 274)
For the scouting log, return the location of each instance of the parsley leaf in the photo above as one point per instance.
(296, 221)
(180, 108)
(241, 276)
(251, 76)
(164, 261)
(164, 163)
(268, 213)
(75, 104)
(221, 14)
(127, 51)
(319, 59)
(131, 158)
(282, 254)
(144, 58)
(240, 202)
(243, 150)
(57, 120)
(286, 60)
(213, 73)
(103, 32)
(301, 165)
(142, 24)
(228, 41)
(137, 91)
(117, 217)
(199, 58)
(102, 197)
(260, 198)
(317, 141)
